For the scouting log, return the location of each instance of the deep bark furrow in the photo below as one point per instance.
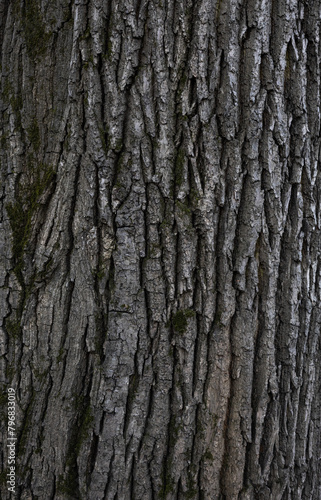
(160, 241)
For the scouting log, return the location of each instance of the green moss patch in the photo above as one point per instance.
(179, 167)
(69, 485)
(13, 328)
(34, 30)
(184, 208)
(180, 320)
(22, 210)
(34, 135)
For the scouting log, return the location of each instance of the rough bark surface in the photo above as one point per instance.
(160, 248)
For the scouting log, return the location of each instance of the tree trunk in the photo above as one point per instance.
(160, 248)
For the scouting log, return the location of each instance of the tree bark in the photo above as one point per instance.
(160, 248)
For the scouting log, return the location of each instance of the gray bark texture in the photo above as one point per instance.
(160, 248)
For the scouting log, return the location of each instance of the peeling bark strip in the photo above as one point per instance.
(160, 248)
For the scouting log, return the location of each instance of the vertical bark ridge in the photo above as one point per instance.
(160, 274)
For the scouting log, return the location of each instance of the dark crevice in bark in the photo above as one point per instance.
(133, 388)
(109, 477)
(187, 182)
(71, 219)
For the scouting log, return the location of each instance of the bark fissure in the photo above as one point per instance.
(160, 270)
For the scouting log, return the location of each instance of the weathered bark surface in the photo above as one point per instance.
(160, 247)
